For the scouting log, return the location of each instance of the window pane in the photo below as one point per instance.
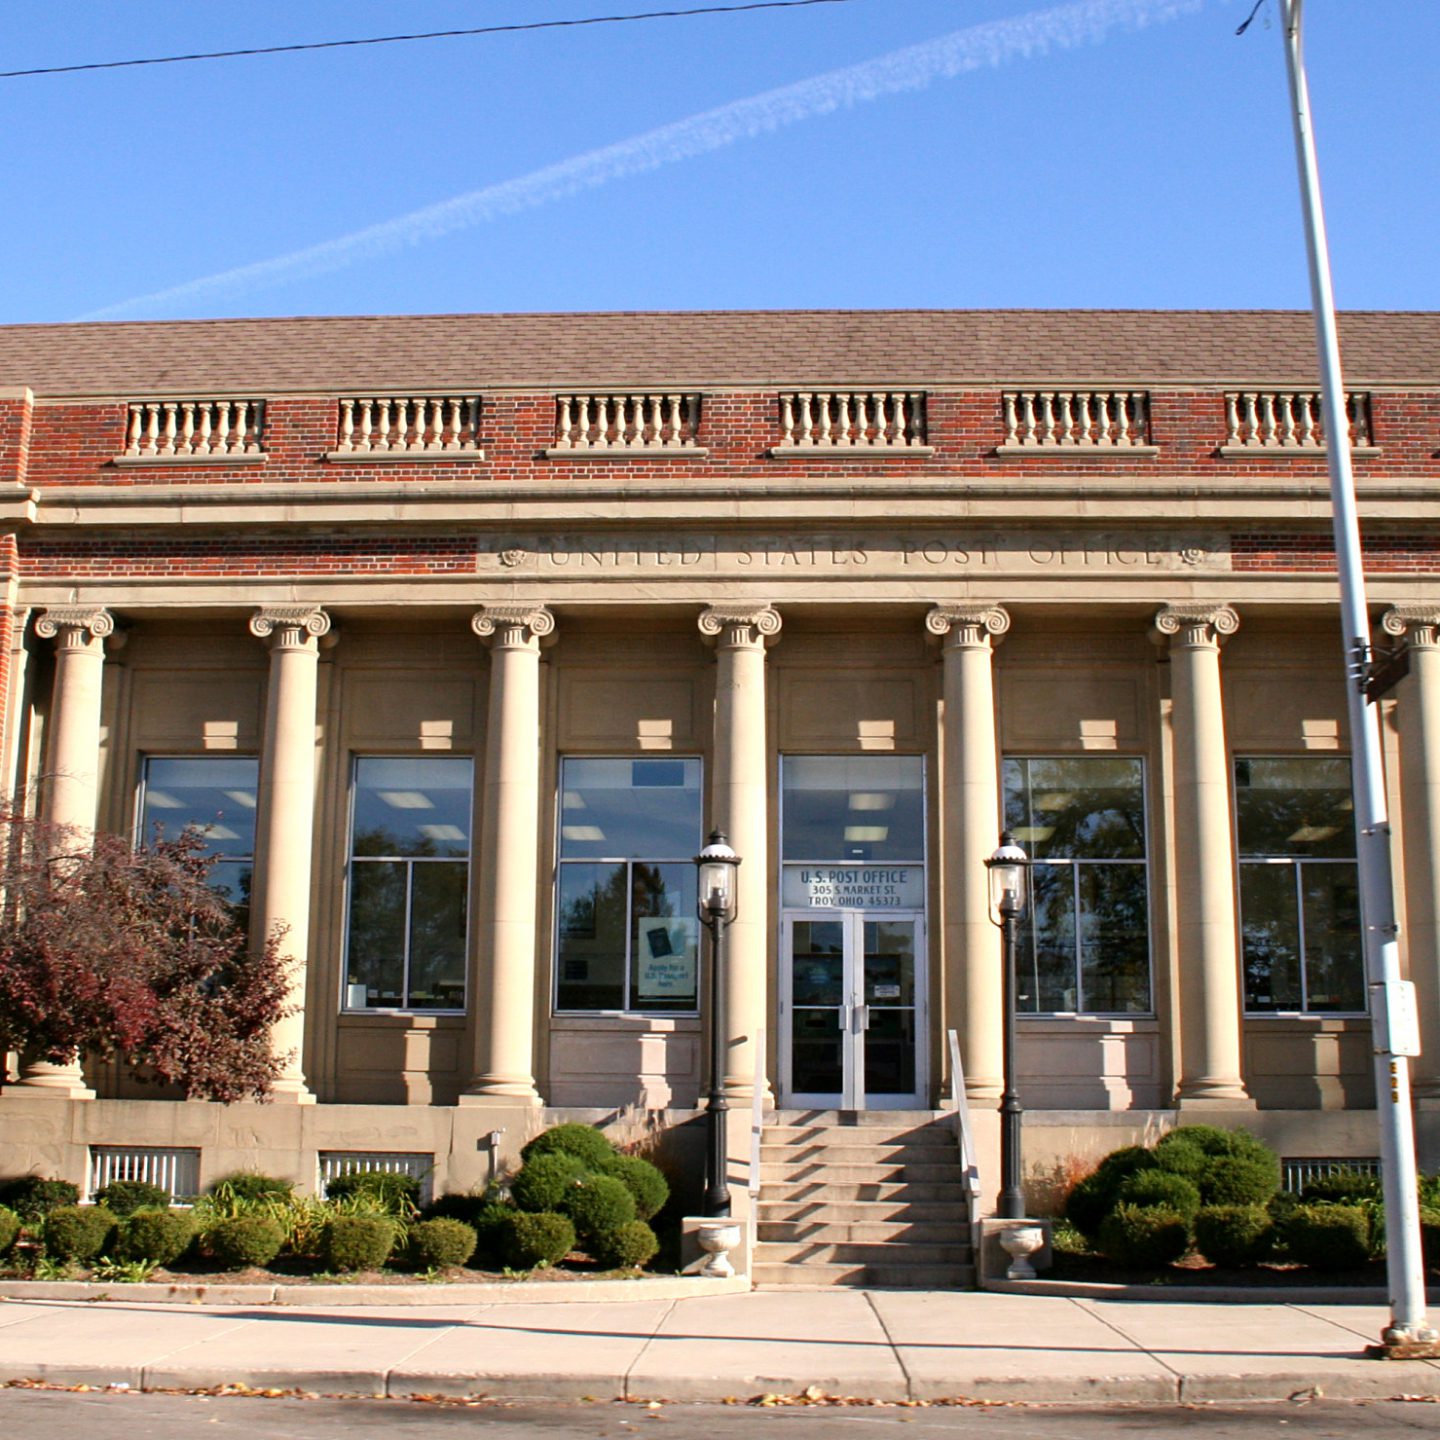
(1270, 930)
(1079, 808)
(1298, 805)
(1334, 965)
(232, 879)
(377, 932)
(412, 806)
(858, 807)
(437, 935)
(591, 920)
(818, 962)
(665, 940)
(1114, 939)
(214, 794)
(630, 809)
(1046, 962)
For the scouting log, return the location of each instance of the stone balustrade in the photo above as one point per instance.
(853, 420)
(408, 427)
(1288, 420)
(626, 424)
(1106, 421)
(195, 430)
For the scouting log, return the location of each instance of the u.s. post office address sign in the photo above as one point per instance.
(854, 887)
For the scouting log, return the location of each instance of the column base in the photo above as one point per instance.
(1216, 1098)
(64, 1082)
(291, 1092)
(484, 1089)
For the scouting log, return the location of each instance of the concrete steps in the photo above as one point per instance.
(868, 1198)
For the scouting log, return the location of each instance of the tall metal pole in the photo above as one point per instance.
(1012, 1187)
(1408, 1331)
(717, 1192)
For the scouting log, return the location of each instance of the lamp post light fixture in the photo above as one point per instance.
(1009, 869)
(716, 864)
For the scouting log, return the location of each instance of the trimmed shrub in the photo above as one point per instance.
(33, 1197)
(78, 1232)
(9, 1228)
(125, 1197)
(1181, 1157)
(252, 1185)
(1144, 1237)
(1429, 1236)
(529, 1241)
(1341, 1187)
(245, 1240)
(397, 1193)
(441, 1244)
(643, 1180)
(161, 1236)
(490, 1226)
(459, 1205)
(597, 1205)
(1208, 1139)
(1327, 1237)
(1240, 1179)
(627, 1247)
(1160, 1187)
(584, 1142)
(357, 1242)
(1234, 1235)
(1093, 1198)
(544, 1179)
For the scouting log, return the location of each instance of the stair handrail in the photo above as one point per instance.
(968, 1158)
(757, 1117)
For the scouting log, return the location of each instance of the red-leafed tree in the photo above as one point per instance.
(110, 950)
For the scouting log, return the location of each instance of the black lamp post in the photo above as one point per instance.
(717, 864)
(1009, 869)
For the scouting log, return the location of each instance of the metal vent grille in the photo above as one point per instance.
(174, 1170)
(334, 1163)
(1296, 1174)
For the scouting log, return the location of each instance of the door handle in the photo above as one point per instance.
(859, 1018)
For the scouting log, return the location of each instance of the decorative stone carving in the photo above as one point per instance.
(511, 557)
(1201, 623)
(522, 623)
(309, 619)
(1416, 624)
(741, 624)
(84, 621)
(968, 624)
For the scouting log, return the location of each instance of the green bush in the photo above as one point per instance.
(245, 1240)
(626, 1247)
(33, 1197)
(597, 1205)
(78, 1232)
(1429, 1235)
(460, 1205)
(1144, 1237)
(1160, 1187)
(125, 1197)
(1341, 1187)
(645, 1183)
(491, 1224)
(252, 1185)
(9, 1228)
(544, 1179)
(357, 1242)
(529, 1241)
(441, 1244)
(1234, 1235)
(1093, 1198)
(1327, 1237)
(584, 1142)
(396, 1193)
(160, 1236)
(1240, 1179)
(1229, 1167)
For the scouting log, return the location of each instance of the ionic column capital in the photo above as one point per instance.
(290, 627)
(740, 627)
(75, 626)
(1418, 625)
(969, 627)
(1201, 624)
(512, 626)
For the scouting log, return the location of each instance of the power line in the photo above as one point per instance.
(425, 35)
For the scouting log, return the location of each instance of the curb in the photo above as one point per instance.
(511, 1292)
(1196, 1294)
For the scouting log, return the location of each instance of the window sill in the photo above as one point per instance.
(406, 457)
(1079, 452)
(627, 1019)
(253, 457)
(622, 452)
(850, 452)
(408, 1017)
(1292, 452)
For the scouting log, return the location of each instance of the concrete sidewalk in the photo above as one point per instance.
(891, 1345)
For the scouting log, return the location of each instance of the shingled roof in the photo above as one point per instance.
(710, 348)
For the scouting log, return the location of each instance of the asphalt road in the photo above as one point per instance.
(64, 1415)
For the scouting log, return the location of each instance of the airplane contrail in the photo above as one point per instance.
(914, 67)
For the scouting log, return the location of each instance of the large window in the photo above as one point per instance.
(409, 874)
(866, 808)
(214, 795)
(1086, 939)
(626, 930)
(1299, 900)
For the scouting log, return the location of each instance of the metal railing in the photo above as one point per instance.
(969, 1160)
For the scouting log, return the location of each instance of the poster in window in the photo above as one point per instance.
(665, 965)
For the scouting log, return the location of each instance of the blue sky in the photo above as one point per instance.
(1096, 162)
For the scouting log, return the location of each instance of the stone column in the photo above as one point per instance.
(1209, 941)
(740, 796)
(285, 817)
(1418, 717)
(970, 829)
(71, 782)
(508, 854)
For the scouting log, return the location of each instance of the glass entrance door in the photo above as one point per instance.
(853, 1010)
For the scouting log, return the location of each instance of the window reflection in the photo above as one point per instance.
(853, 807)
